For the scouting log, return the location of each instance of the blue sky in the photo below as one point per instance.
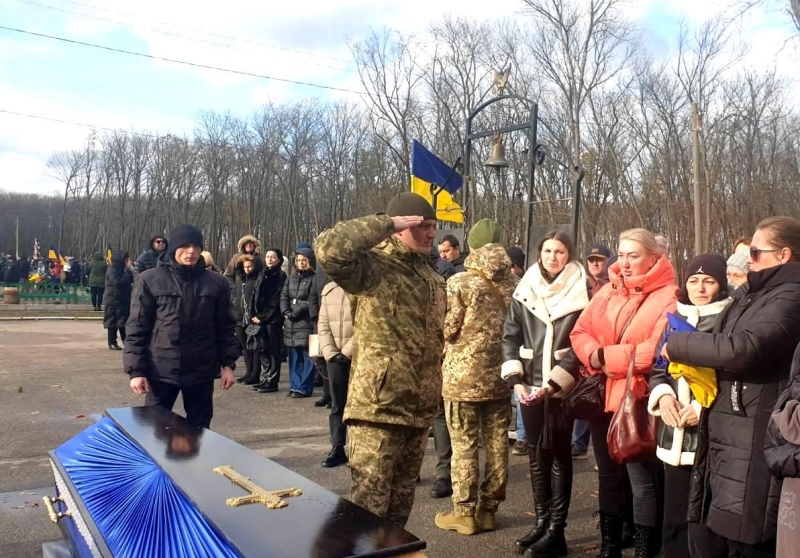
(81, 84)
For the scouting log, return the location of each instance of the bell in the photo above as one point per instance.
(497, 160)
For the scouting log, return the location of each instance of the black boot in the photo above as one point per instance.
(335, 458)
(552, 545)
(114, 347)
(611, 534)
(324, 401)
(267, 388)
(542, 498)
(645, 539)
(628, 537)
(250, 380)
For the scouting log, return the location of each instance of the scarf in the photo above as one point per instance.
(694, 313)
(550, 302)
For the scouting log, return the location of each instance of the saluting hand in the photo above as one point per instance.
(406, 222)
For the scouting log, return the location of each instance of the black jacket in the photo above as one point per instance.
(12, 274)
(300, 305)
(149, 258)
(783, 458)
(680, 450)
(524, 330)
(244, 288)
(268, 295)
(117, 296)
(181, 330)
(751, 349)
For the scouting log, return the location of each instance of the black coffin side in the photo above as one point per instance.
(318, 524)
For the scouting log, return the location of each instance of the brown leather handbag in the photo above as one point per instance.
(632, 432)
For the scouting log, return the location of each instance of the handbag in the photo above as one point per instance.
(313, 346)
(632, 431)
(587, 398)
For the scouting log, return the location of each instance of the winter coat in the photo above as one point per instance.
(399, 307)
(677, 446)
(751, 348)
(335, 323)
(782, 453)
(244, 289)
(230, 270)
(24, 269)
(269, 288)
(181, 330)
(650, 296)
(300, 305)
(149, 258)
(117, 295)
(473, 327)
(458, 263)
(537, 329)
(12, 274)
(97, 271)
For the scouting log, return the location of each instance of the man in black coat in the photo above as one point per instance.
(149, 258)
(181, 330)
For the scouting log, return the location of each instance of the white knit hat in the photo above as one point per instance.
(738, 261)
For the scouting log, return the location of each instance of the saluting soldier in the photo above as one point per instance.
(399, 301)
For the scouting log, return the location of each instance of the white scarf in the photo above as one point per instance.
(550, 302)
(694, 313)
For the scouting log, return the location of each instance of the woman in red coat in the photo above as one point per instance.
(625, 320)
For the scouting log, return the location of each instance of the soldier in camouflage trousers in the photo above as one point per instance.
(476, 398)
(399, 303)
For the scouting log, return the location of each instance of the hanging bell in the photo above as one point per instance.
(497, 160)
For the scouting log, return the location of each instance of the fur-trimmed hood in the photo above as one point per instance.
(249, 238)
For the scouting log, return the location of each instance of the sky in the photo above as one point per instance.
(300, 41)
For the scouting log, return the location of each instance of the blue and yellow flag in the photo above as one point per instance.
(53, 254)
(108, 254)
(430, 174)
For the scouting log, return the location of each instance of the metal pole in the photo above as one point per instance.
(17, 236)
(698, 237)
(529, 257)
(577, 176)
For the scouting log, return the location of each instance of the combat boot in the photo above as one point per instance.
(611, 536)
(485, 519)
(463, 525)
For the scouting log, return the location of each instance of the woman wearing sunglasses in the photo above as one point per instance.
(751, 348)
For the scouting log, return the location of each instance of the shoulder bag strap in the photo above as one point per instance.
(498, 297)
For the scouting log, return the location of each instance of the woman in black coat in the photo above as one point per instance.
(269, 287)
(703, 297)
(118, 286)
(300, 308)
(246, 272)
(751, 348)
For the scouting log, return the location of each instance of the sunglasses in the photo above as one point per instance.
(158, 242)
(755, 253)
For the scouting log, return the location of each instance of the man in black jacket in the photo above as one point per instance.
(181, 330)
(149, 258)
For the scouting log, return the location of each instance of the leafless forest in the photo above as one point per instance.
(288, 171)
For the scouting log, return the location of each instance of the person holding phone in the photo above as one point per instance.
(541, 367)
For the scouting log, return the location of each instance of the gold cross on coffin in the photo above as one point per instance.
(273, 499)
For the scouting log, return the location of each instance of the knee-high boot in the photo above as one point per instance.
(542, 496)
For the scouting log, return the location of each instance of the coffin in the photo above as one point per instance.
(142, 482)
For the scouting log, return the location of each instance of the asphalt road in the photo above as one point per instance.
(57, 377)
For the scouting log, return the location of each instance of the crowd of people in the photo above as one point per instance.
(411, 336)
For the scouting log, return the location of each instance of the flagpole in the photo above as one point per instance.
(17, 236)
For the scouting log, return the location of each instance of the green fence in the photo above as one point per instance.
(49, 293)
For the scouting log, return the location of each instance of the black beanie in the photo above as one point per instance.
(409, 204)
(278, 253)
(706, 264)
(183, 235)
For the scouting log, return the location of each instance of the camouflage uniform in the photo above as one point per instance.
(476, 397)
(399, 304)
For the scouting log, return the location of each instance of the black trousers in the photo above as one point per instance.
(251, 360)
(97, 296)
(644, 478)
(271, 355)
(198, 401)
(338, 377)
(112, 335)
(550, 460)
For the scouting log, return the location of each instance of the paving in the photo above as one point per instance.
(57, 377)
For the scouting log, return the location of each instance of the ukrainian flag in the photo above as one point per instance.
(108, 254)
(53, 254)
(430, 174)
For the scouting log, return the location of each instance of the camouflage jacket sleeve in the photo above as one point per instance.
(456, 309)
(345, 252)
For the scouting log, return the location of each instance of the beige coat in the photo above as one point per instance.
(335, 323)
